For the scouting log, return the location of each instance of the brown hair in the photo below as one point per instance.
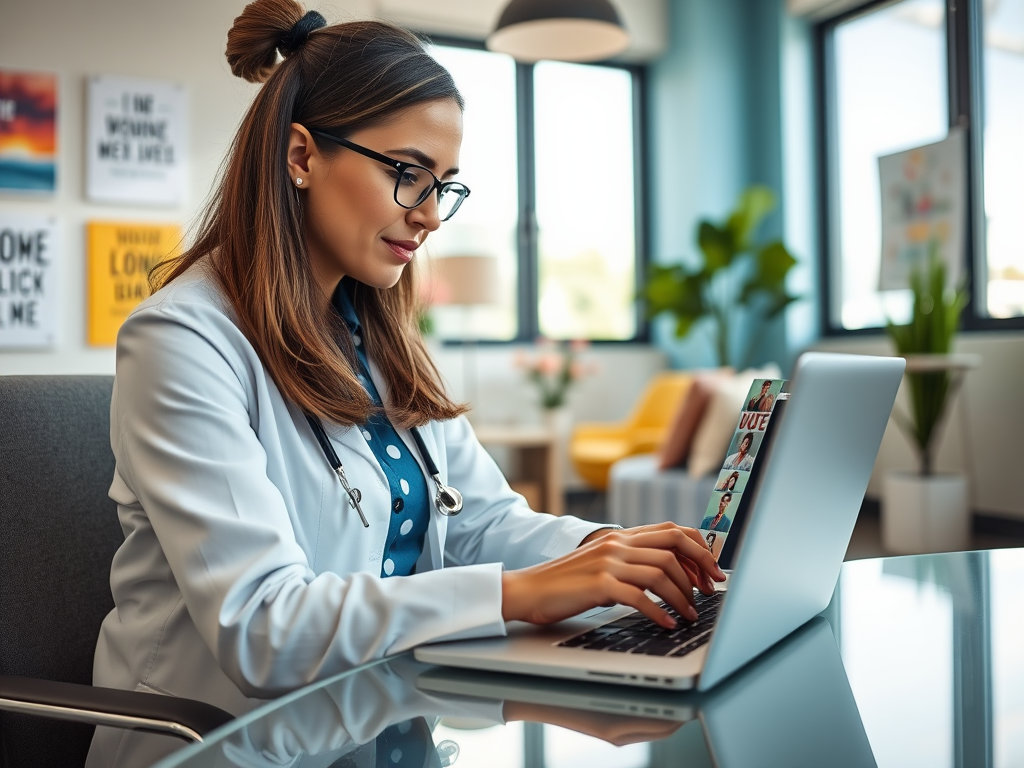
(341, 78)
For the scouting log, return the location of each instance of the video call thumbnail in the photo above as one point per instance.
(720, 512)
(715, 540)
(761, 397)
(732, 480)
(743, 451)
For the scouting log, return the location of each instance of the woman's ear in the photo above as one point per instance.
(301, 150)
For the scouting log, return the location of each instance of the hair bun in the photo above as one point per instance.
(254, 38)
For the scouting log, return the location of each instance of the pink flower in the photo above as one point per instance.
(549, 364)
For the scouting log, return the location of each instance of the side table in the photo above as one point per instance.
(539, 471)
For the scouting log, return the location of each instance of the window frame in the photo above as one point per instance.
(527, 232)
(965, 85)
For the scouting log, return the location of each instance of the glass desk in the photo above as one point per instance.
(917, 661)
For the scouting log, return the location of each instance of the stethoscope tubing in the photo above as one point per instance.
(448, 500)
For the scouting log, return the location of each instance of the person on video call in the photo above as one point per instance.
(764, 401)
(285, 448)
(742, 459)
(718, 521)
(729, 483)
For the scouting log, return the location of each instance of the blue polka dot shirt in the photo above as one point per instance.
(410, 497)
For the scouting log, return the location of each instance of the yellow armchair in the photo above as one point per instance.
(594, 447)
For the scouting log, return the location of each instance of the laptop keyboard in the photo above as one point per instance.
(636, 633)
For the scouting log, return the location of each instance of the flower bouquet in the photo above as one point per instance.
(554, 367)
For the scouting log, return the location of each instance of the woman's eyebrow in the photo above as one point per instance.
(422, 159)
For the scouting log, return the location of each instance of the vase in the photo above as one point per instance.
(558, 421)
(924, 513)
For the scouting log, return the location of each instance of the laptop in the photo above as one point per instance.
(801, 503)
(793, 706)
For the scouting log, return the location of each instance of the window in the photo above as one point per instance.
(897, 75)
(549, 153)
(583, 123)
(1003, 62)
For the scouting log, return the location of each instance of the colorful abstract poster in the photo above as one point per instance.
(137, 139)
(28, 132)
(29, 258)
(923, 207)
(120, 258)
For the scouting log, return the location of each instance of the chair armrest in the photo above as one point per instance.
(184, 718)
(589, 430)
(645, 439)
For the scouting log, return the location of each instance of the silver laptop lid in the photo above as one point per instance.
(806, 504)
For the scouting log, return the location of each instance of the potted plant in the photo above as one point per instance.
(924, 511)
(737, 287)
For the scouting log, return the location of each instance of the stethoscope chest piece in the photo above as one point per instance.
(448, 500)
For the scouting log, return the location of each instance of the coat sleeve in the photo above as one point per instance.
(496, 525)
(186, 448)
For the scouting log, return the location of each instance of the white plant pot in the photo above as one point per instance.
(925, 513)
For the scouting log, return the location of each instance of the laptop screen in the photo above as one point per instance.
(726, 512)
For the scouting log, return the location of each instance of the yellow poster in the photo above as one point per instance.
(120, 257)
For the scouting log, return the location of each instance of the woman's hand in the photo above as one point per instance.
(615, 567)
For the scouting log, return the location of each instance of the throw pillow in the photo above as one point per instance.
(679, 438)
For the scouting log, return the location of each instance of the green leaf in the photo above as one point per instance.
(755, 203)
(771, 265)
(684, 324)
(716, 245)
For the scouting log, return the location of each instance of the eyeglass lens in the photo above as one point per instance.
(416, 183)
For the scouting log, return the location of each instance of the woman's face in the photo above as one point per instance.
(744, 444)
(730, 483)
(352, 223)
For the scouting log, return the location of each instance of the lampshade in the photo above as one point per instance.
(464, 280)
(563, 30)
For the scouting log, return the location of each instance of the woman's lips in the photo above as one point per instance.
(402, 248)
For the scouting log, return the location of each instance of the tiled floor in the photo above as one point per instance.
(865, 542)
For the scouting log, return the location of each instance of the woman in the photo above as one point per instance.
(742, 459)
(276, 415)
(729, 483)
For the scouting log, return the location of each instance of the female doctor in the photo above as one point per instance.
(297, 492)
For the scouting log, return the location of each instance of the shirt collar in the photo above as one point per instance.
(342, 301)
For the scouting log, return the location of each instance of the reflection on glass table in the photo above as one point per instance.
(794, 704)
(916, 662)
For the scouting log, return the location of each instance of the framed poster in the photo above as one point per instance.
(29, 306)
(28, 132)
(136, 149)
(923, 207)
(120, 256)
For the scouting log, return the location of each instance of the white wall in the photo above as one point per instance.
(982, 436)
(184, 42)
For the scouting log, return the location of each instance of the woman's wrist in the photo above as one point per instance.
(595, 535)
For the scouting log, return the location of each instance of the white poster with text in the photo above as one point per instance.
(29, 258)
(137, 141)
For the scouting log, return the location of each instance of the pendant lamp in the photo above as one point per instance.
(563, 30)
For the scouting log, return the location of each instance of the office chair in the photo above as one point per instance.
(58, 533)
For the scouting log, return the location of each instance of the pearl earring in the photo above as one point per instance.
(298, 182)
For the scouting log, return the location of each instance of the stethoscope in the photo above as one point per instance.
(447, 500)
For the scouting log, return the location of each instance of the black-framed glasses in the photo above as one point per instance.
(413, 183)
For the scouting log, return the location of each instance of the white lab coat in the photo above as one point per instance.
(245, 573)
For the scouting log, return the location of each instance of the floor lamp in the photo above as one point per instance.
(466, 282)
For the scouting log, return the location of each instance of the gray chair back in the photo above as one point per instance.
(58, 533)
